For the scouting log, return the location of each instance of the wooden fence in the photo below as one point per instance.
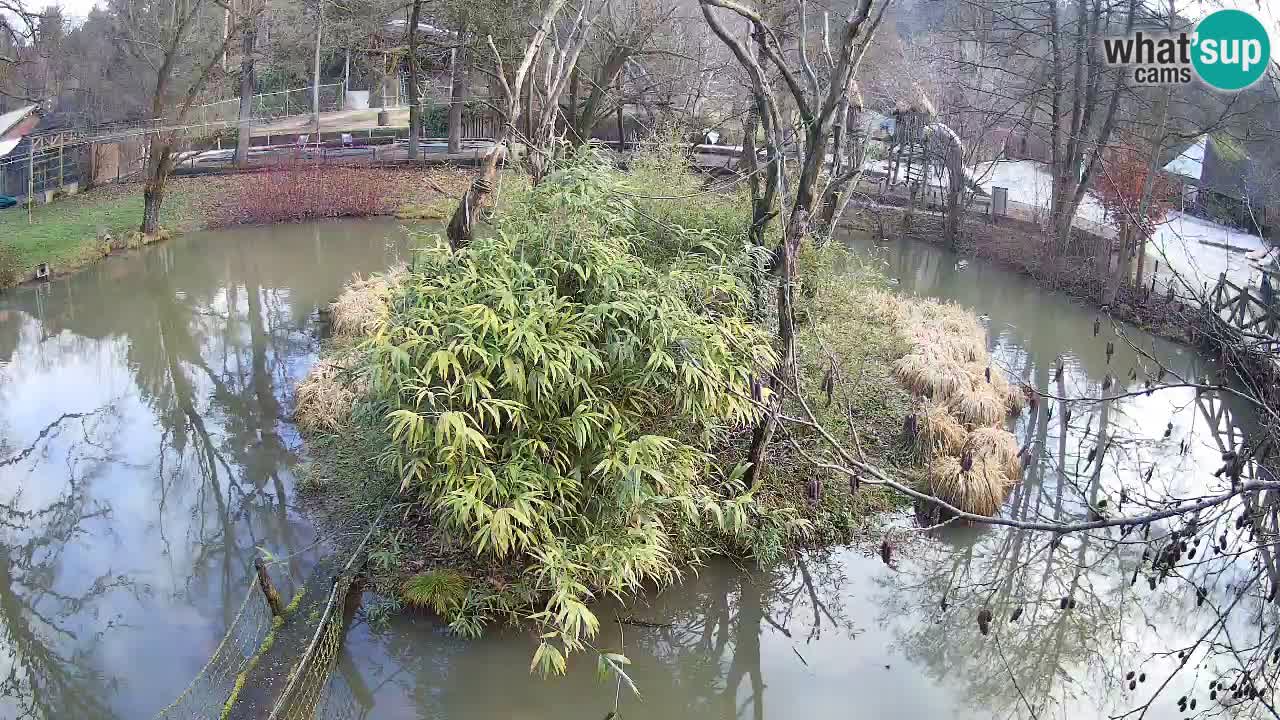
(1256, 313)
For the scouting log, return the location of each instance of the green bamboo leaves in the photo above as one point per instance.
(552, 397)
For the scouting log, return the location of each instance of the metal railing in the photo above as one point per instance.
(267, 107)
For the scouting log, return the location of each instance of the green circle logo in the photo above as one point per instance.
(1231, 50)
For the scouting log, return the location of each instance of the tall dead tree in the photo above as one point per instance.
(815, 100)
(462, 225)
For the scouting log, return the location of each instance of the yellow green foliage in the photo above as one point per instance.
(555, 399)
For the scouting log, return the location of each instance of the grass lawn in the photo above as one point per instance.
(65, 233)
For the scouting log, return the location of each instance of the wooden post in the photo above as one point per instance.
(31, 176)
(268, 589)
(622, 144)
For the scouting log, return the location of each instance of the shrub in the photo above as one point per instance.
(292, 193)
(555, 400)
(668, 195)
(442, 591)
(10, 266)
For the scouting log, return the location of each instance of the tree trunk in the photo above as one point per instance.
(457, 94)
(1118, 262)
(793, 234)
(747, 160)
(315, 75)
(158, 167)
(415, 113)
(588, 114)
(571, 113)
(244, 139)
(1140, 258)
(462, 224)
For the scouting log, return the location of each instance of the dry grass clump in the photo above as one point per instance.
(326, 395)
(361, 306)
(978, 405)
(973, 462)
(980, 489)
(944, 329)
(949, 362)
(930, 376)
(997, 446)
(938, 433)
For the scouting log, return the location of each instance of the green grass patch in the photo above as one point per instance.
(68, 232)
(292, 607)
(440, 208)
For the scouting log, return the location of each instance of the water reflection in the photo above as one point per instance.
(145, 456)
(1089, 610)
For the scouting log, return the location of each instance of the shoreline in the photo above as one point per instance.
(85, 228)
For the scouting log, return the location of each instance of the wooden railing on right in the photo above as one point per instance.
(1255, 312)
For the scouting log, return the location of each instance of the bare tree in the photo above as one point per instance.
(415, 111)
(560, 70)
(816, 101)
(174, 41)
(626, 31)
(18, 25)
(248, 80)
(462, 225)
(458, 58)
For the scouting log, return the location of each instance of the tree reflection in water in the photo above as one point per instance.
(45, 643)
(1083, 625)
(709, 648)
(192, 348)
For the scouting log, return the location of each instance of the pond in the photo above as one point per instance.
(146, 455)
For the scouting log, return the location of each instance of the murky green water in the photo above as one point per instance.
(145, 457)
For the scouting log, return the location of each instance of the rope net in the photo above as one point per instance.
(309, 680)
(213, 684)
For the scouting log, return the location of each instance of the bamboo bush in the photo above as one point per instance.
(554, 399)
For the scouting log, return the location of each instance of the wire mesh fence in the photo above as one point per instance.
(212, 686)
(267, 107)
(305, 690)
(346, 697)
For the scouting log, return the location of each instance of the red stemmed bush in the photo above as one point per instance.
(308, 191)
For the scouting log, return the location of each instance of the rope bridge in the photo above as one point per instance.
(308, 688)
(213, 684)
